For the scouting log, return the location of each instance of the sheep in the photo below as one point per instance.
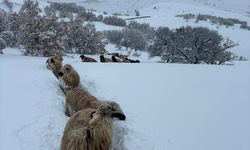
(123, 57)
(54, 64)
(87, 59)
(79, 98)
(68, 78)
(116, 59)
(103, 59)
(89, 129)
(133, 61)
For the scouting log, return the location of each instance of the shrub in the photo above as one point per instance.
(112, 20)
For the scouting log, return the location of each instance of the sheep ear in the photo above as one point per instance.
(92, 114)
(118, 115)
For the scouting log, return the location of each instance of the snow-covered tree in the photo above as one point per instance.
(3, 16)
(114, 36)
(13, 27)
(133, 39)
(28, 35)
(37, 34)
(160, 41)
(191, 45)
(129, 38)
(145, 28)
(9, 38)
(82, 38)
(2, 45)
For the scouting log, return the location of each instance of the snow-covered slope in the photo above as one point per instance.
(168, 106)
(165, 15)
(128, 6)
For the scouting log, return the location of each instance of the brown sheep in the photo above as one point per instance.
(54, 64)
(79, 98)
(68, 77)
(87, 59)
(103, 59)
(89, 129)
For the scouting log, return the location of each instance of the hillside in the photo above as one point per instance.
(128, 6)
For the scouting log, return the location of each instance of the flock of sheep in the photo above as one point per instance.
(91, 119)
(116, 57)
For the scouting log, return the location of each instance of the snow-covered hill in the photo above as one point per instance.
(168, 106)
(128, 6)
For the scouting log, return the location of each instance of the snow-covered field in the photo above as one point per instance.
(168, 106)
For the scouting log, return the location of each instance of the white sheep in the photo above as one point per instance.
(79, 98)
(89, 129)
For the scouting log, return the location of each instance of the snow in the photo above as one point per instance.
(30, 104)
(168, 106)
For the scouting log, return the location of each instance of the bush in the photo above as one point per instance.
(112, 20)
(216, 20)
(137, 13)
(187, 16)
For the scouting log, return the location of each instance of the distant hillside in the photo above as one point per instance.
(128, 6)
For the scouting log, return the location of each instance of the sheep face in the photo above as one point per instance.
(69, 76)
(54, 64)
(102, 59)
(82, 56)
(105, 108)
(65, 70)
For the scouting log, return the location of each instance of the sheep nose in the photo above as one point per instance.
(60, 74)
(119, 115)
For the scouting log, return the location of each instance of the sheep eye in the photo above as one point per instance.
(67, 69)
